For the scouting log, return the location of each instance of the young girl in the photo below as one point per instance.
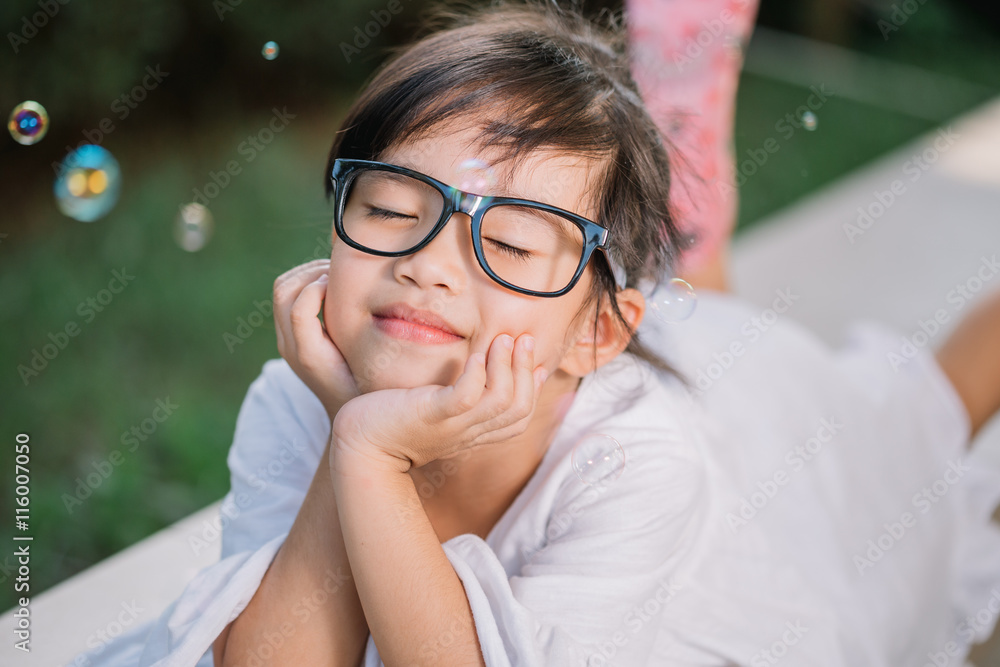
(470, 458)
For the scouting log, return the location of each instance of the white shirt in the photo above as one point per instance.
(854, 463)
(659, 566)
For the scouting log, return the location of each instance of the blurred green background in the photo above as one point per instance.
(163, 338)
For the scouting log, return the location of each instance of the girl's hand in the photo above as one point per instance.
(491, 401)
(302, 337)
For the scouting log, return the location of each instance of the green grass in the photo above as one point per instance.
(847, 135)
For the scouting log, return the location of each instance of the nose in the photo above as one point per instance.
(446, 261)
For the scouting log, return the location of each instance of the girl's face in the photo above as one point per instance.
(444, 281)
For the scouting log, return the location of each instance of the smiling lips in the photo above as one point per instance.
(401, 321)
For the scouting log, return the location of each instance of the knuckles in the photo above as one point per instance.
(298, 317)
(522, 410)
(465, 403)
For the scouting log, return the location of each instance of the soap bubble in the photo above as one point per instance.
(475, 175)
(193, 227)
(28, 123)
(88, 184)
(809, 120)
(598, 459)
(674, 302)
(270, 51)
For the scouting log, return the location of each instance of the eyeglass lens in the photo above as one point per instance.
(526, 246)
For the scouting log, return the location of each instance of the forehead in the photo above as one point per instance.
(549, 176)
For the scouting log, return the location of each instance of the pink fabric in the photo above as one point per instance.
(686, 59)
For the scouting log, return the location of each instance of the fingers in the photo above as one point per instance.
(523, 401)
(511, 414)
(288, 288)
(468, 389)
(486, 376)
(310, 338)
(499, 388)
(288, 285)
(498, 369)
(304, 273)
(514, 384)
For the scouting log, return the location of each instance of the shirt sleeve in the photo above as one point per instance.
(185, 632)
(281, 432)
(578, 599)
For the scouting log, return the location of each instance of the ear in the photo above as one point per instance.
(611, 338)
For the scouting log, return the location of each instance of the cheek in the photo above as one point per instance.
(334, 318)
(350, 274)
(574, 327)
(551, 350)
(340, 306)
(548, 326)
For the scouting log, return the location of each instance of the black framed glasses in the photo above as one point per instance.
(526, 246)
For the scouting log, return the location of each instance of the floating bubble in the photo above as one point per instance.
(598, 459)
(28, 123)
(270, 51)
(809, 120)
(193, 227)
(88, 184)
(675, 302)
(475, 175)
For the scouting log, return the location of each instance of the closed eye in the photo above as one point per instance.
(509, 249)
(376, 212)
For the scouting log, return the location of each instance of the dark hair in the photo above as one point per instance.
(542, 77)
